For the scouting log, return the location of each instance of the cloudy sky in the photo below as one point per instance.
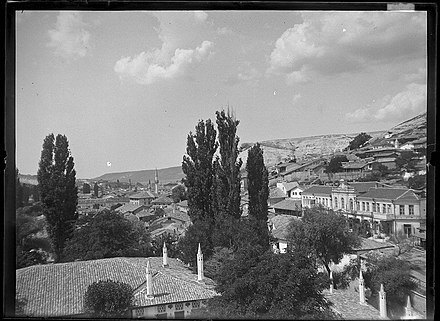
(127, 87)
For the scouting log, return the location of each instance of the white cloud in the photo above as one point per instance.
(146, 69)
(224, 31)
(296, 98)
(411, 101)
(200, 16)
(70, 39)
(337, 42)
(176, 30)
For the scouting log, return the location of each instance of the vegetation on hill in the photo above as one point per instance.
(59, 194)
(335, 164)
(358, 141)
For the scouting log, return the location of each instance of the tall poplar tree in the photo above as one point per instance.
(226, 184)
(58, 192)
(258, 188)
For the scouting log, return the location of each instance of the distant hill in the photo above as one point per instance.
(170, 174)
(28, 179)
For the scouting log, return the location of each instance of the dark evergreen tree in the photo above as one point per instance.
(335, 164)
(96, 189)
(86, 188)
(258, 188)
(226, 186)
(59, 194)
(198, 168)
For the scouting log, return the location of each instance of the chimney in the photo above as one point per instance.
(199, 265)
(331, 282)
(382, 303)
(409, 310)
(164, 255)
(361, 288)
(149, 282)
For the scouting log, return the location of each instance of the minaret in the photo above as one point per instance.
(156, 182)
(164, 255)
(199, 265)
(331, 282)
(382, 302)
(361, 289)
(409, 314)
(149, 282)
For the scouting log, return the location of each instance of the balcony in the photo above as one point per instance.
(410, 217)
(383, 216)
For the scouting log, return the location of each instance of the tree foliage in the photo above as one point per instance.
(335, 164)
(96, 190)
(107, 235)
(358, 141)
(226, 186)
(406, 160)
(178, 193)
(417, 182)
(258, 188)
(188, 244)
(323, 234)
(59, 194)
(86, 188)
(269, 286)
(108, 299)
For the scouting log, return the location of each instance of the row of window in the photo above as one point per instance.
(365, 206)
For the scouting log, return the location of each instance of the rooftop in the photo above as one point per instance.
(143, 194)
(288, 204)
(280, 224)
(318, 189)
(129, 207)
(58, 289)
(383, 193)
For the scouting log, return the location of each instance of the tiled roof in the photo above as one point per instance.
(128, 208)
(385, 160)
(383, 193)
(280, 224)
(276, 193)
(409, 195)
(419, 141)
(183, 203)
(318, 189)
(288, 204)
(346, 304)
(362, 187)
(290, 185)
(353, 165)
(162, 200)
(58, 289)
(172, 228)
(371, 245)
(182, 216)
(141, 195)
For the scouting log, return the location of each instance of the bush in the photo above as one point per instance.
(108, 298)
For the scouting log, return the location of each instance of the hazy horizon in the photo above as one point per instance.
(127, 87)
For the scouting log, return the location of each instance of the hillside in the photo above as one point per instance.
(170, 174)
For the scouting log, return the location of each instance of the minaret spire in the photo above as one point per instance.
(156, 182)
(382, 302)
(361, 288)
(164, 255)
(150, 294)
(199, 265)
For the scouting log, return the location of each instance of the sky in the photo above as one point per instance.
(127, 87)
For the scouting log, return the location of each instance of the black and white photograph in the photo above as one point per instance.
(209, 162)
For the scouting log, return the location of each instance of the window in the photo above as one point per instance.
(336, 202)
(402, 209)
(139, 312)
(358, 206)
(196, 304)
(411, 209)
(363, 206)
(179, 315)
(351, 204)
(342, 203)
(384, 208)
(179, 306)
(161, 308)
(368, 206)
(407, 229)
(388, 208)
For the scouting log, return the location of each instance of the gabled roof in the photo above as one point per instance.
(288, 204)
(409, 195)
(276, 193)
(58, 289)
(290, 185)
(143, 194)
(383, 193)
(280, 224)
(129, 207)
(162, 200)
(353, 165)
(318, 189)
(179, 215)
(362, 187)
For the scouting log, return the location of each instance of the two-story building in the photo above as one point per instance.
(142, 198)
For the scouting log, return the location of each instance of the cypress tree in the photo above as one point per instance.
(58, 192)
(258, 188)
(226, 186)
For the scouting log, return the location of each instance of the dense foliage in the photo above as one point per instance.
(31, 243)
(335, 164)
(86, 188)
(417, 182)
(323, 234)
(407, 160)
(96, 190)
(178, 193)
(258, 188)
(269, 286)
(107, 235)
(59, 194)
(108, 299)
(359, 141)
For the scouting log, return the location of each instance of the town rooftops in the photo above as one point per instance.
(162, 200)
(280, 225)
(53, 290)
(288, 204)
(276, 193)
(290, 185)
(354, 165)
(142, 195)
(129, 208)
(383, 193)
(362, 187)
(179, 215)
(318, 189)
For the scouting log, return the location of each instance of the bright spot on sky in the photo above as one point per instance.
(109, 164)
